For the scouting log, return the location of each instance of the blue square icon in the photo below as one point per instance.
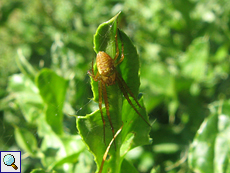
(10, 161)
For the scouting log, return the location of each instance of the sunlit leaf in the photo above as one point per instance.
(91, 126)
(52, 89)
(210, 150)
(26, 140)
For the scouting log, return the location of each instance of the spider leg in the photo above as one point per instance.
(117, 48)
(122, 50)
(91, 73)
(125, 90)
(100, 106)
(107, 109)
(125, 86)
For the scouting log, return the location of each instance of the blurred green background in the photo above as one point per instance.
(184, 56)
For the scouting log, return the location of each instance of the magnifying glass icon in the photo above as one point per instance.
(9, 160)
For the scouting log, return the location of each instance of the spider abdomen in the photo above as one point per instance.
(105, 64)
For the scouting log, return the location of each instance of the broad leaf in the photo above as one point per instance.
(52, 89)
(135, 129)
(210, 150)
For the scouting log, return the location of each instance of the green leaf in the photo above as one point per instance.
(40, 170)
(52, 89)
(194, 62)
(73, 146)
(26, 140)
(127, 167)
(25, 67)
(60, 152)
(27, 96)
(91, 126)
(210, 151)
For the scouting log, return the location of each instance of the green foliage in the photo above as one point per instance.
(53, 94)
(41, 104)
(210, 150)
(135, 130)
(47, 48)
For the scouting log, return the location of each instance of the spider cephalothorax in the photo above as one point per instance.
(106, 68)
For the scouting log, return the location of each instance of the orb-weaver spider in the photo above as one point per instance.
(108, 75)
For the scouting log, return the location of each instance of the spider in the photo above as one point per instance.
(106, 76)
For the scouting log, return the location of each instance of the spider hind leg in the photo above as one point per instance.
(126, 92)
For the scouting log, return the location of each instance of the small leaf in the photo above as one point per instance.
(194, 62)
(26, 140)
(27, 96)
(25, 67)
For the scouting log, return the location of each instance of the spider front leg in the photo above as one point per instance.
(92, 73)
(100, 88)
(122, 50)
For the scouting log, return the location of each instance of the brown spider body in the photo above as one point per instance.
(106, 68)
